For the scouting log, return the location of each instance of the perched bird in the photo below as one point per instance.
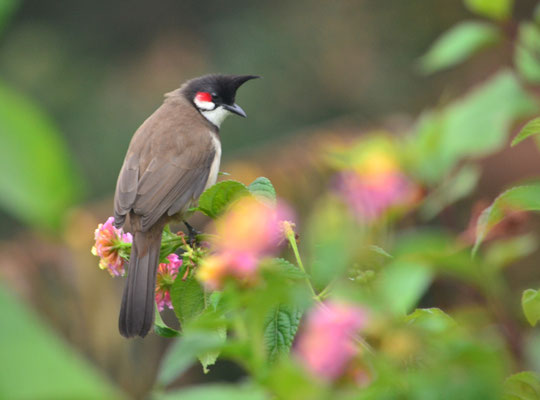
(172, 158)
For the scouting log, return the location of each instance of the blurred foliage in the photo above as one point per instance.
(495, 9)
(458, 44)
(382, 227)
(37, 178)
(36, 363)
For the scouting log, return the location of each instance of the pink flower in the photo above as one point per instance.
(247, 232)
(326, 346)
(216, 268)
(371, 180)
(109, 240)
(370, 197)
(166, 275)
(251, 226)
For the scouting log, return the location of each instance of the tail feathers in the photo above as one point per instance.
(137, 309)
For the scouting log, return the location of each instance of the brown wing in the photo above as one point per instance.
(164, 169)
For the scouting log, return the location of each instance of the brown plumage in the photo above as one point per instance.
(170, 161)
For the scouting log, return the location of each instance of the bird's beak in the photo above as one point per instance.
(235, 109)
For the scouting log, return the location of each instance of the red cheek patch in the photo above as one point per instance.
(203, 97)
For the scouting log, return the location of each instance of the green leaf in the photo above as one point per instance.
(531, 128)
(432, 320)
(38, 181)
(439, 250)
(279, 330)
(451, 190)
(332, 237)
(458, 44)
(527, 52)
(522, 386)
(380, 251)
(188, 298)
(288, 269)
(7, 7)
(519, 198)
(162, 329)
(215, 199)
(402, 284)
(507, 251)
(184, 352)
(530, 302)
(215, 392)
(39, 364)
(473, 126)
(263, 188)
(494, 9)
(209, 358)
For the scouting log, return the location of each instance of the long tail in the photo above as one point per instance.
(137, 309)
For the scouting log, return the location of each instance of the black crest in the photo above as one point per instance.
(224, 86)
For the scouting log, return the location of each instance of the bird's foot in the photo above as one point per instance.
(192, 234)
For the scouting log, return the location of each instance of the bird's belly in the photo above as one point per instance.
(214, 168)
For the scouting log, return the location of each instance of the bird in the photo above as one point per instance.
(171, 159)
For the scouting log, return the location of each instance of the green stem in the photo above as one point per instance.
(323, 293)
(292, 241)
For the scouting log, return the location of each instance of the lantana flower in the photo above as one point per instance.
(370, 197)
(247, 232)
(107, 247)
(371, 182)
(326, 346)
(166, 274)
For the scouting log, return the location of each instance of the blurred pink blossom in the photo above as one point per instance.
(326, 346)
(247, 232)
(166, 275)
(108, 241)
(370, 197)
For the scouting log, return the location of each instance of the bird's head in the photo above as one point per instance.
(214, 95)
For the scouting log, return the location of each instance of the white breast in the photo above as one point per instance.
(214, 168)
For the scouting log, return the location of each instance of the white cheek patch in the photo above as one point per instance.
(216, 116)
(204, 105)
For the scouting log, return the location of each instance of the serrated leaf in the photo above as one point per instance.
(494, 9)
(183, 353)
(530, 302)
(215, 199)
(263, 188)
(522, 386)
(531, 128)
(280, 328)
(519, 198)
(458, 44)
(209, 358)
(288, 269)
(188, 298)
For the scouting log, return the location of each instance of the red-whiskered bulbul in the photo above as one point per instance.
(172, 158)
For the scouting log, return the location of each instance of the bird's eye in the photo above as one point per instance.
(215, 97)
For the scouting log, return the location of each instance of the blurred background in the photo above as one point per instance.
(78, 78)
